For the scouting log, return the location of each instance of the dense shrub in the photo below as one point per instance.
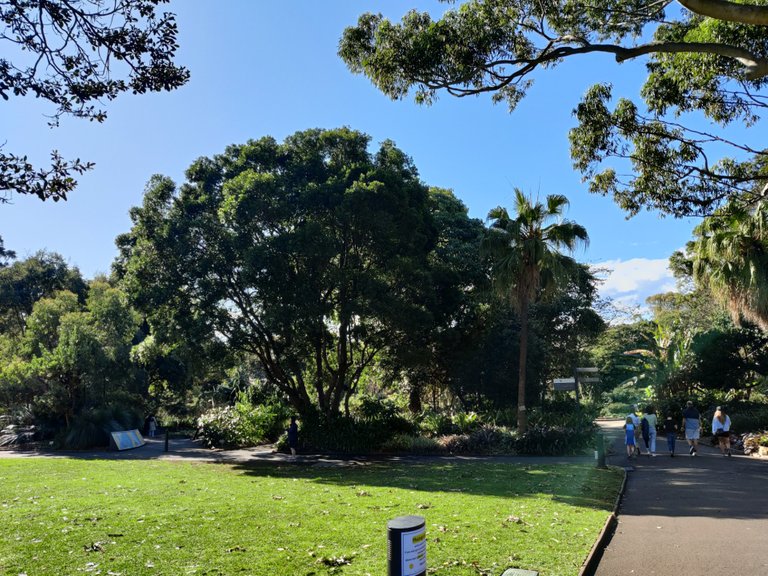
(464, 422)
(554, 441)
(412, 445)
(491, 440)
(501, 417)
(262, 423)
(563, 413)
(13, 435)
(433, 423)
(454, 443)
(92, 428)
(219, 428)
(244, 424)
(350, 434)
(748, 417)
(371, 425)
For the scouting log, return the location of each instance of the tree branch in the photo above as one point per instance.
(755, 67)
(729, 11)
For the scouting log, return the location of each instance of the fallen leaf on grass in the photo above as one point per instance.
(335, 560)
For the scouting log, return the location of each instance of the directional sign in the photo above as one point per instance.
(564, 384)
(588, 380)
(591, 369)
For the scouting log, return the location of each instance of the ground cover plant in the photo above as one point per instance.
(134, 518)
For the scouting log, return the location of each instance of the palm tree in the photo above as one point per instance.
(528, 263)
(730, 258)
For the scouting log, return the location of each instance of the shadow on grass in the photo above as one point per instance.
(577, 485)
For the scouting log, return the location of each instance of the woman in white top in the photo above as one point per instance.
(721, 428)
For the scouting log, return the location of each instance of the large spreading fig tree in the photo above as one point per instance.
(309, 254)
(704, 58)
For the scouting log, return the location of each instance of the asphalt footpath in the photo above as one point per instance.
(688, 515)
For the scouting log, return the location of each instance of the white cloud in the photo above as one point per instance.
(629, 282)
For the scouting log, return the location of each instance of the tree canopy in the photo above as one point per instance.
(25, 282)
(73, 356)
(77, 54)
(310, 255)
(705, 57)
(728, 257)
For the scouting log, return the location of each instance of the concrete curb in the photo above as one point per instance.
(593, 558)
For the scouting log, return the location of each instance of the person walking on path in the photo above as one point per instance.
(692, 427)
(636, 426)
(152, 426)
(721, 428)
(670, 428)
(651, 421)
(293, 436)
(645, 431)
(629, 436)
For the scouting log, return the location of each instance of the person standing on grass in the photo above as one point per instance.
(692, 427)
(650, 418)
(293, 436)
(670, 428)
(629, 436)
(721, 428)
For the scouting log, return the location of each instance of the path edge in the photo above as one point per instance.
(595, 554)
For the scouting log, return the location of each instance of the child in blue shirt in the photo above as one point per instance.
(629, 436)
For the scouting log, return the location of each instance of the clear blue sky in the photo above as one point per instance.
(270, 68)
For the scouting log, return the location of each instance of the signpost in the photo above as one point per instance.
(564, 384)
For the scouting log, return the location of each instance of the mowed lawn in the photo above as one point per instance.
(128, 518)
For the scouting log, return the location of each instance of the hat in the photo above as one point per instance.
(635, 406)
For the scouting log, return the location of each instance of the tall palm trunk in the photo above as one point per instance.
(522, 414)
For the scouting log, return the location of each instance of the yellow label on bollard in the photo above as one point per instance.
(414, 552)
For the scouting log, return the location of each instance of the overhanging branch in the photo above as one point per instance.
(729, 11)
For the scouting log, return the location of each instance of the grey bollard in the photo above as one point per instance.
(600, 450)
(407, 546)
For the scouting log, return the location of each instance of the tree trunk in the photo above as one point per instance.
(522, 415)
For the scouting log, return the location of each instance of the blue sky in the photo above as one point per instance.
(270, 68)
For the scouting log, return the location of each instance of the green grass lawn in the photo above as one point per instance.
(129, 518)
